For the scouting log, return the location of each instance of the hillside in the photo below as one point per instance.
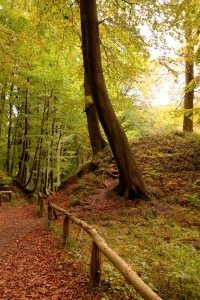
(170, 165)
(158, 238)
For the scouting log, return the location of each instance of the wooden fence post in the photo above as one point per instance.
(41, 201)
(66, 228)
(50, 213)
(50, 216)
(95, 266)
(10, 196)
(55, 214)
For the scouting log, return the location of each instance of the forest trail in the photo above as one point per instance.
(15, 223)
(31, 265)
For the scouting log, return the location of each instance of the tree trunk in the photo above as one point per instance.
(23, 172)
(131, 184)
(38, 167)
(52, 155)
(189, 76)
(13, 155)
(58, 159)
(96, 139)
(2, 106)
(7, 164)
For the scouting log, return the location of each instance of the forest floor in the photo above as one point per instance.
(159, 238)
(30, 261)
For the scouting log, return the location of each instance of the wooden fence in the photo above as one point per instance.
(100, 246)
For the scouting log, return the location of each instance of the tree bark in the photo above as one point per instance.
(131, 184)
(189, 76)
(23, 172)
(7, 164)
(96, 139)
(2, 106)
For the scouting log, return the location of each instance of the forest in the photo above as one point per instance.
(45, 121)
(104, 96)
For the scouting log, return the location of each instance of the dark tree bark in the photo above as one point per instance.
(131, 184)
(189, 76)
(96, 139)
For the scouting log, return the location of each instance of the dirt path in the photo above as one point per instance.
(31, 263)
(15, 223)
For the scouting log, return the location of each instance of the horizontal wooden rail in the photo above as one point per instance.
(139, 285)
(5, 192)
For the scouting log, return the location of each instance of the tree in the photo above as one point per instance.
(184, 29)
(191, 27)
(35, 129)
(131, 183)
(189, 76)
(96, 139)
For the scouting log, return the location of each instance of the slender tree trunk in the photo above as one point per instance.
(189, 76)
(38, 166)
(131, 184)
(7, 164)
(13, 155)
(57, 162)
(15, 139)
(96, 139)
(52, 154)
(2, 106)
(46, 152)
(38, 150)
(14, 148)
(34, 163)
(22, 176)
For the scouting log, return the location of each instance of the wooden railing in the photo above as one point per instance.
(5, 192)
(100, 246)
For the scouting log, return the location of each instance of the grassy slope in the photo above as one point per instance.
(160, 238)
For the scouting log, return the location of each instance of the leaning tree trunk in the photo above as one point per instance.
(131, 184)
(96, 139)
(189, 76)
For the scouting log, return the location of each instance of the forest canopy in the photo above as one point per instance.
(44, 134)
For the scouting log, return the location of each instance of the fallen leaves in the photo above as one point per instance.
(33, 267)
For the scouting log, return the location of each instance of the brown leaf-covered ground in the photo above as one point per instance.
(31, 266)
(31, 258)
